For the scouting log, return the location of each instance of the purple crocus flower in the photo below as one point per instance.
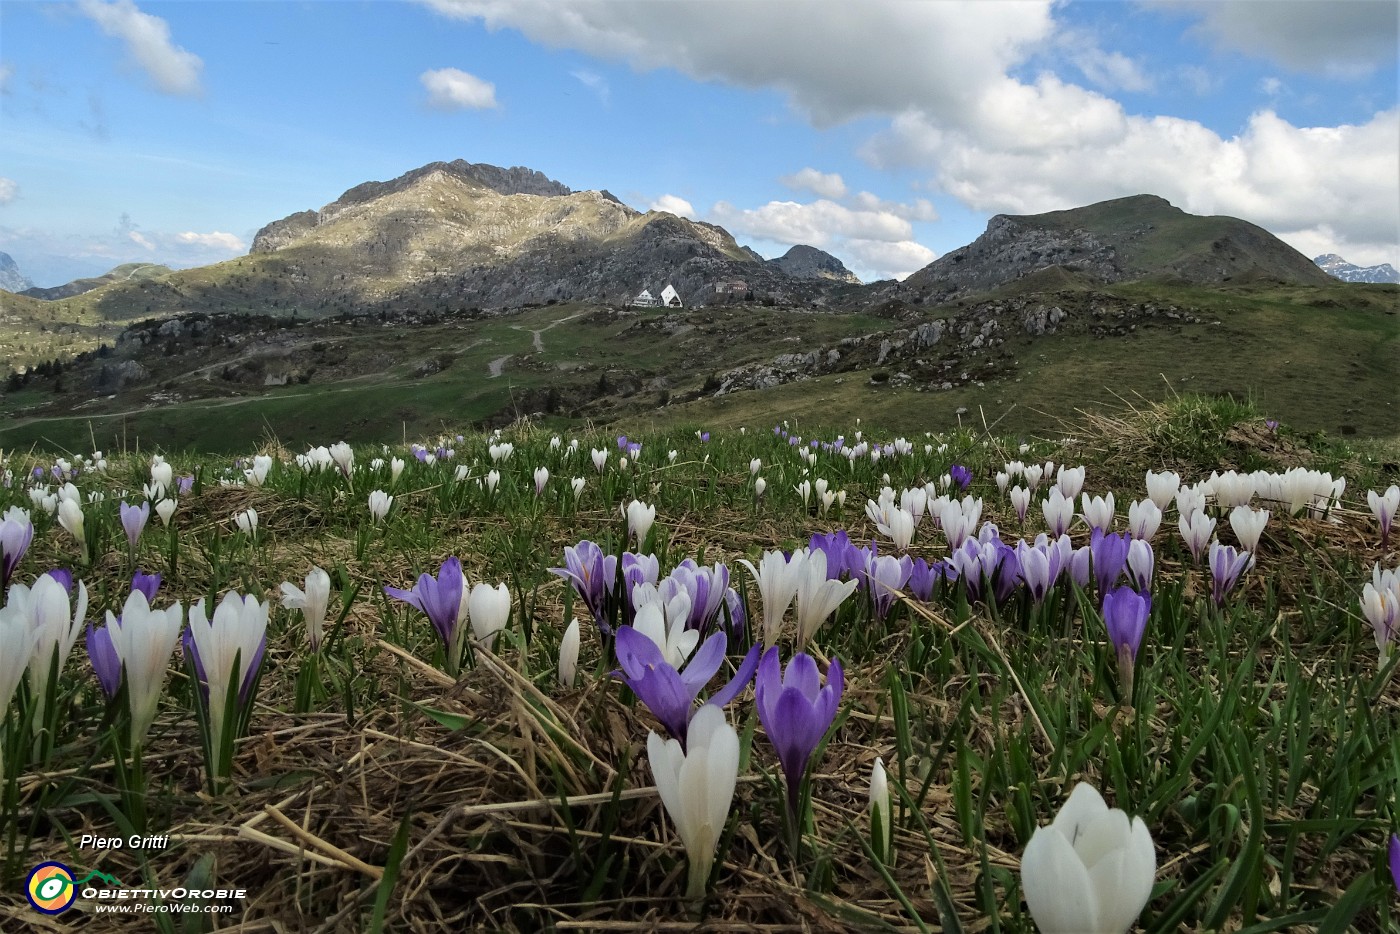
(1107, 555)
(1125, 613)
(1226, 566)
(1395, 859)
(185, 484)
(64, 578)
(1040, 565)
(1079, 566)
(961, 476)
(440, 598)
(704, 437)
(796, 711)
(147, 585)
(980, 563)
(592, 575)
(842, 557)
(922, 577)
(670, 694)
(622, 442)
(1271, 424)
(884, 574)
(134, 521)
(105, 663)
(706, 588)
(16, 532)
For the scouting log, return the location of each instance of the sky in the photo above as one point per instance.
(886, 132)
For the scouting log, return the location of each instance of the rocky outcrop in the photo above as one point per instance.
(808, 262)
(11, 279)
(1011, 249)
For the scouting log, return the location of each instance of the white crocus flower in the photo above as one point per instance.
(396, 465)
(144, 640)
(568, 655)
(165, 509)
(70, 516)
(881, 835)
(1091, 870)
(17, 639)
(313, 602)
(343, 457)
(1162, 487)
(776, 578)
(817, 597)
(1196, 530)
(665, 626)
(1144, 518)
(1248, 525)
(247, 521)
(1097, 511)
(56, 623)
(235, 633)
(696, 785)
(577, 483)
(640, 517)
(759, 485)
(489, 609)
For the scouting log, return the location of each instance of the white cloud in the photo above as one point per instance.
(147, 38)
(1111, 71)
(1341, 39)
(217, 240)
(920, 209)
(454, 89)
(835, 61)
(674, 204)
(1270, 86)
(818, 223)
(595, 83)
(823, 184)
(881, 259)
(943, 74)
(136, 237)
(9, 190)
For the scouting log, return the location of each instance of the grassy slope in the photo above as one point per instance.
(1327, 366)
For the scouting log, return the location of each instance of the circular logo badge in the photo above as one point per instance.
(50, 888)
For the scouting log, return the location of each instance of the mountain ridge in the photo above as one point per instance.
(1339, 268)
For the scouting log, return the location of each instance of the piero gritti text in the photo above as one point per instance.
(135, 842)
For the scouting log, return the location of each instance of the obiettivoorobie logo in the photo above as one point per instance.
(52, 889)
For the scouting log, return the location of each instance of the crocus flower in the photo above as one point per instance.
(162, 474)
(1381, 609)
(56, 622)
(313, 602)
(568, 655)
(1248, 525)
(670, 694)
(884, 574)
(1226, 566)
(1058, 510)
(961, 476)
(881, 836)
(489, 609)
(592, 575)
(148, 585)
(1196, 529)
(440, 599)
(1107, 554)
(1020, 501)
(247, 521)
(139, 643)
(344, 458)
(759, 485)
(17, 639)
(16, 533)
(541, 478)
(577, 484)
(1141, 562)
(640, 517)
(1125, 613)
(379, 503)
(696, 786)
(817, 597)
(226, 650)
(1070, 481)
(1144, 518)
(1098, 510)
(70, 516)
(777, 578)
(796, 711)
(1395, 859)
(134, 521)
(1032, 474)
(1091, 870)
(1384, 507)
(1162, 488)
(165, 509)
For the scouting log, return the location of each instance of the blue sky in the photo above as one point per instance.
(884, 132)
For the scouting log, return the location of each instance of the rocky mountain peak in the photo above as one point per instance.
(808, 262)
(1335, 266)
(11, 279)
